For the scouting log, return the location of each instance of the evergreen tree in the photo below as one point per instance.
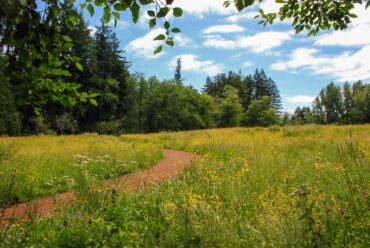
(177, 76)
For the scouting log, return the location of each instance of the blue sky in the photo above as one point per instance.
(216, 40)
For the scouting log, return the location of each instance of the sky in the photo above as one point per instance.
(216, 40)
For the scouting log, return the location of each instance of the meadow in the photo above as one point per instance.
(304, 186)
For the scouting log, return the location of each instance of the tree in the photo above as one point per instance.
(260, 113)
(171, 106)
(177, 76)
(9, 117)
(331, 99)
(230, 108)
(302, 115)
(307, 14)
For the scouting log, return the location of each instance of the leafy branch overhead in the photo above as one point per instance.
(310, 15)
(158, 12)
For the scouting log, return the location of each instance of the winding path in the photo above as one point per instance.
(169, 167)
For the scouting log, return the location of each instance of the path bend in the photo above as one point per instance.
(173, 163)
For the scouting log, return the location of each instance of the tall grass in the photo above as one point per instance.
(287, 187)
(47, 165)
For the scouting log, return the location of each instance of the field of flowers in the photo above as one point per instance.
(32, 167)
(251, 187)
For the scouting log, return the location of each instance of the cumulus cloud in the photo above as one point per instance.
(347, 66)
(224, 29)
(200, 8)
(144, 46)
(247, 64)
(260, 42)
(242, 17)
(357, 33)
(191, 62)
(183, 41)
(299, 99)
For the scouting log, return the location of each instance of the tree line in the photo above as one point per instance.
(58, 77)
(110, 98)
(349, 104)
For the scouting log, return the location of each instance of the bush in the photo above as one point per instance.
(109, 127)
(65, 123)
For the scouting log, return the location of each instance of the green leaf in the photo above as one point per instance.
(163, 12)
(83, 5)
(79, 66)
(119, 7)
(152, 22)
(177, 12)
(90, 8)
(135, 12)
(116, 15)
(158, 50)
(176, 30)
(106, 17)
(160, 37)
(151, 13)
(67, 38)
(166, 25)
(67, 45)
(24, 2)
(170, 43)
(93, 102)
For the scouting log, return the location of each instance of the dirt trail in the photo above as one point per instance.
(171, 166)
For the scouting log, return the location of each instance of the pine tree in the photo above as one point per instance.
(274, 94)
(177, 77)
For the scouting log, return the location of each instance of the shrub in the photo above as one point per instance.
(108, 127)
(65, 123)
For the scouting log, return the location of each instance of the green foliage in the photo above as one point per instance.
(230, 108)
(66, 123)
(171, 106)
(109, 127)
(260, 113)
(350, 105)
(9, 116)
(312, 16)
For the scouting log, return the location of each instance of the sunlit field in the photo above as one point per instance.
(37, 166)
(304, 186)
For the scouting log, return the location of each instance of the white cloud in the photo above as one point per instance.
(299, 99)
(347, 66)
(145, 46)
(269, 6)
(260, 42)
(357, 33)
(191, 62)
(183, 41)
(242, 17)
(200, 8)
(247, 64)
(224, 29)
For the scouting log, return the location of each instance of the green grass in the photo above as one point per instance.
(33, 167)
(274, 187)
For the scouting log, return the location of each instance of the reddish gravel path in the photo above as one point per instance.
(169, 167)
